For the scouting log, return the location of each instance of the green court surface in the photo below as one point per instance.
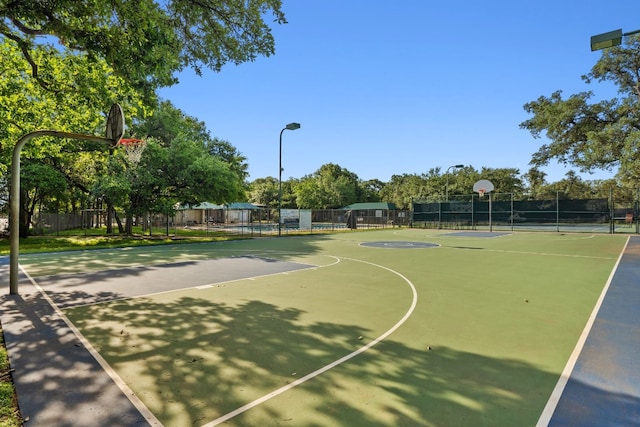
(322, 330)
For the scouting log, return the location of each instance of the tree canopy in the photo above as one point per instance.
(82, 92)
(594, 135)
(144, 41)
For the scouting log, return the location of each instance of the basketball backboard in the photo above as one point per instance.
(483, 187)
(115, 124)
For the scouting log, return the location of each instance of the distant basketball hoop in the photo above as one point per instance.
(134, 148)
(483, 186)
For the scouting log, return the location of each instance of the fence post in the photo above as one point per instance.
(512, 213)
(473, 223)
(612, 212)
(557, 211)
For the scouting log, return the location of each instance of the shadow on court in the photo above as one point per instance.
(57, 380)
(589, 405)
(193, 361)
(129, 282)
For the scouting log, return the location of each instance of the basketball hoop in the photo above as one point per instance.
(134, 148)
(483, 186)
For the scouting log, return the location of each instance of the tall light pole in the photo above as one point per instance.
(290, 126)
(447, 187)
(610, 39)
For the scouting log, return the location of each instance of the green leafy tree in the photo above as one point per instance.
(76, 104)
(145, 41)
(40, 183)
(113, 186)
(264, 191)
(594, 135)
(225, 151)
(504, 180)
(403, 190)
(329, 187)
(370, 190)
(288, 193)
(459, 181)
(184, 172)
(534, 181)
(570, 187)
(168, 123)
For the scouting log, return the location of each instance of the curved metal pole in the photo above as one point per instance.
(290, 126)
(14, 224)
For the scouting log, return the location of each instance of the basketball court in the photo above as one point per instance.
(393, 327)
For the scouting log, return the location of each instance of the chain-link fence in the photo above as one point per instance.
(207, 222)
(502, 211)
(496, 210)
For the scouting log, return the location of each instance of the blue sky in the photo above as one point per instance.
(385, 88)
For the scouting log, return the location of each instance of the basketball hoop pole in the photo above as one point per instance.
(490, 222)
(483, 187)
(14, 229)
(481, 193)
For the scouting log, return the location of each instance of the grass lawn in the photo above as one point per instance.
(9, 413)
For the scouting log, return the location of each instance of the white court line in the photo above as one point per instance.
(332, 365)
(122, 385)
(530, 253)
(550, 407)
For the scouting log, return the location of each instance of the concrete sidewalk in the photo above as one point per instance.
(58, 381)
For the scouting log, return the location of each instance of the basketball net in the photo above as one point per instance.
(134, 148)
(481, 193)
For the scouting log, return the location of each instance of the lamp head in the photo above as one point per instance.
(606, 40)
(292, 126)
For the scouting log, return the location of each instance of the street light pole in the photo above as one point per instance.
(290, 126)
(447, 186)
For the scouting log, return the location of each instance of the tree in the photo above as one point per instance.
(264, 191)
(329, 187)
(594, 135)
(535, 180)
(77, 104)
(113, 186)
(225, 151)
(504, 180)
(570, 187)
(168, 123)
(40, 182)
(370, 190)
(402, 190)
(181, 173)
(145, 41)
